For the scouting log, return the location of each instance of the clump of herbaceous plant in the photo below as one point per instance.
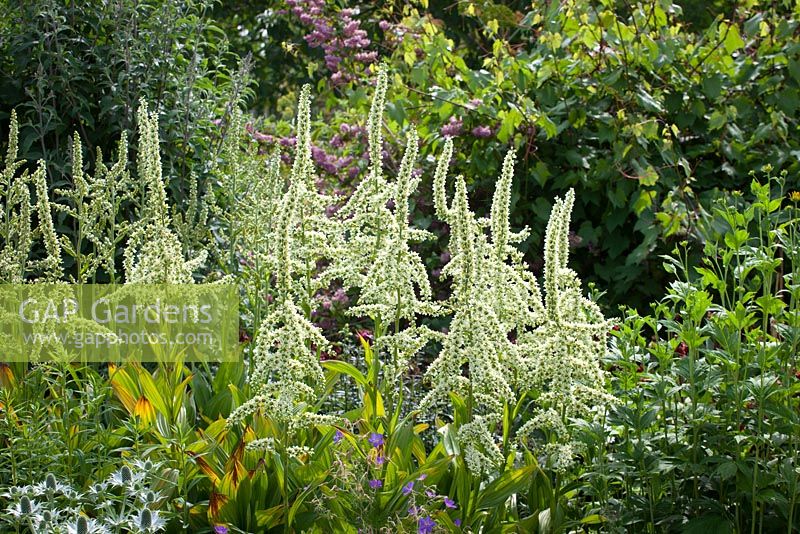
(285, 361)
(562, 350)
(559, 338)
(376, 256)
(93, 203)
(477, 362)
(154, 254)
(17, 228)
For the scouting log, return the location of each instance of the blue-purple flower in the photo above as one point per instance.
(375, 483)
(425, 525)
(220, 529)
(457, 522)
(450, 503)
(408, 488)
(375, 439)
(338, 436)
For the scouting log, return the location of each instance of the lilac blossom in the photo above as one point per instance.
(482, 132)
(340, 36)
(340, 296)
(453, 127)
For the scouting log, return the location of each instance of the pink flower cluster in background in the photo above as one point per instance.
(340, 36)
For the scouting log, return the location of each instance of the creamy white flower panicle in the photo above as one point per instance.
(51, 264)
(154, 254)
(15, 220)
(481, 453)
(286, 371)
(314, 235)
(390, 286)
(440, 181)
(93, 202)
(258, 212)
(561, 355)
(302, 167)
(284, 362)
(477, 359)
(109, 188)
(515, 289)
(365, 217)
(501, 208)
(464, 240)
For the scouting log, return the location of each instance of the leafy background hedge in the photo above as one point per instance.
(697, 99)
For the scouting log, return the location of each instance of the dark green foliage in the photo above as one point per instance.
(84, 66)
(707, 430)
(645, 108)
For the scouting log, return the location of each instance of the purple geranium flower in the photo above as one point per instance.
(425, 525)
(408, 488)
(375, 483)
(375, 439)
(450, 503)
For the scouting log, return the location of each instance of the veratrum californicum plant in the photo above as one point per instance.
(560, 335)
(154, 254)
(559, 339)
(286, 358)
